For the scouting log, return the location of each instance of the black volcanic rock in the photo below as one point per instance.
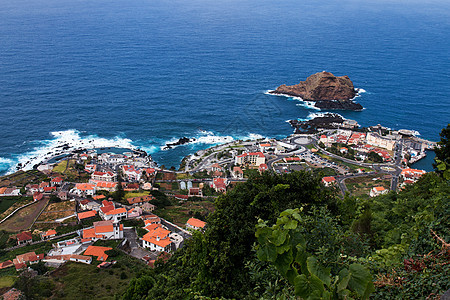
(181, 141)
(329, 121)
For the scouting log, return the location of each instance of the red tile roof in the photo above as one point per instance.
(24, 236)
(87, 214)
(99, 197)
(116, 211)
(329, 179)
(97, 251)
(196, 223)
(49, 233)
(6, 264)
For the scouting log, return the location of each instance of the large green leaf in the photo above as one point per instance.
(360, 281)
(267, 252)
(291, 224)
(284, 261)
(301, 286)
(291, 274)
(344, 277)
(301, 257)
(316, 269)
(278, 237)
(316, 284)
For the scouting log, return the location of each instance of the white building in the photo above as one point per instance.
(250, 158)
(378, 141)
(157, 239)
(377, 190)
(104, 230)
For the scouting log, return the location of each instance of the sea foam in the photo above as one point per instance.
(63, 142)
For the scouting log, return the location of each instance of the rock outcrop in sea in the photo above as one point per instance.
(325, 89)
(328, 121)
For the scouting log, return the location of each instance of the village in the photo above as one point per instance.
(86, 206)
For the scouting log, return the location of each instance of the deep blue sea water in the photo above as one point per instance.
(145, 72)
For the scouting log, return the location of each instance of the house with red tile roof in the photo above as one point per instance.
(149, 171)
(42, 185)
(49, 189)
(106, 186)
(86, 215)
(291, 159)
(24, 237)
(131, 173)
(216, 167)
(220, 185)
(103, 176)
(6, 264)
(264, 147)
(30, 257)
(237, 173)
(57, 181)
(32, 188)
(48, 234)
(20, 266)
(99, 197)
(140, 200)
(329, 181)
(98, 252)
(157, 239)
(116, 214)
(104, 230)
(85, 189)
(412, 174)
(195, 224)
(151, 219)
(59, 259)
(130, 186)
(377, 190)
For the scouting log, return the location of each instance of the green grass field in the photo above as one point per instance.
(7, 202)
(135, 194)
(60, 167)
(7, 281)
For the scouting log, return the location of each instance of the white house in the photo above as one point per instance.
(377, 190)
(105, 230)
(195, 224)
(157, 240)
(116, 214)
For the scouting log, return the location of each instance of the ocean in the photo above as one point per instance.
(140, 73)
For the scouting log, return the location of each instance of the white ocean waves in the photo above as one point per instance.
(311, 116)
(303, 103)
(63, 142)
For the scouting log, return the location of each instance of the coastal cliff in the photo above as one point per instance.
(325, 89)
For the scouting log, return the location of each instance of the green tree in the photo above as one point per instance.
(442, 161)
(375, 157)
